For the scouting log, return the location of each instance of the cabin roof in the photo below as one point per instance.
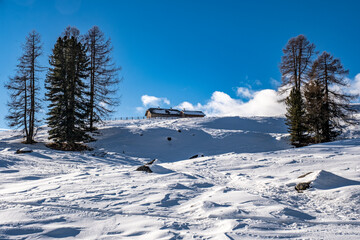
(164, 111)
(173, 112)
(198, 113)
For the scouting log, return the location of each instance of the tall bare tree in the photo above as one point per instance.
(330, 75)
(296, 62)
(71, 31)
(295, 66)
(24, 101)
(103, 76)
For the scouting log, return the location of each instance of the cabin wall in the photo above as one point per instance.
(155, 115)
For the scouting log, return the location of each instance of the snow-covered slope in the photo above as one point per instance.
(243, 187)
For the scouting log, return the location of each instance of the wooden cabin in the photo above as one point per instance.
(172, 113)
(191, 114)
(162, 113)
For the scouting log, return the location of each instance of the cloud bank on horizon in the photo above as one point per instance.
(260, 103)
(265, 103)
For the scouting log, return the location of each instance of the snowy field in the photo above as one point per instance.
(242, 187)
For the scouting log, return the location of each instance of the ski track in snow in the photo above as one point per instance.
(243, 187)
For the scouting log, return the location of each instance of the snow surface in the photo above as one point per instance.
(25, 149)
(243, 187)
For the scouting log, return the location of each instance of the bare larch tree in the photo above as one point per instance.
(330, 74)
(24, 88)
(296, 62)
(102, 76)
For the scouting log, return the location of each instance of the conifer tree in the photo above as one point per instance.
(315, 109)
(295, 118)
(24, 101)
(67, 92)
(103, 78)
(330, 73)
(294, 67)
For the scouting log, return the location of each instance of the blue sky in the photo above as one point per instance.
(198, 51)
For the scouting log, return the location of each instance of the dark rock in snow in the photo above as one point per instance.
(169, 138)
(23, 150)
(196, 156)
(179, 131)
(144, 168)
(302, 186)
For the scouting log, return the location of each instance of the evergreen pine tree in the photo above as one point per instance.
(330, 73)
(24, 102)
(315, 109)
(67, 92)
(295, 118)
(102, 76)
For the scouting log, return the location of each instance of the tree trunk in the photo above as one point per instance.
(32, 96)
(25, 109)
(92, 83)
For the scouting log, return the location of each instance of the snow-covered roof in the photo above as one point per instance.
(175, 112)
(198, 113)
(164, 111)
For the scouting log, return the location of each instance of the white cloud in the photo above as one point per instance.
(262, 103)
(258, 82)
(275, 83)
(185, 105)
(352, 88)
(355, 85)
(152, 101)
(244, 92)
